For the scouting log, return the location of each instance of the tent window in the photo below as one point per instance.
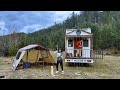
(70, 43)
(18, 55)
(44, 53)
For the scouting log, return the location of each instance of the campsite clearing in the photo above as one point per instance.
(107, 68)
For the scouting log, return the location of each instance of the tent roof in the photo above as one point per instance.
(33, 46)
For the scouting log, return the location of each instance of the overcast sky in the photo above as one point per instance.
(30, 21)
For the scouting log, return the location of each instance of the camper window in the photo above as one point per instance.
(85, 43)
(18, 55)
(70, 43)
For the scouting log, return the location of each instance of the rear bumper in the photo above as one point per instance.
(79, 60)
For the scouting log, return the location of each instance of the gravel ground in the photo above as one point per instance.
(107, 68)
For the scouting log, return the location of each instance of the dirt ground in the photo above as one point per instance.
(107, 68)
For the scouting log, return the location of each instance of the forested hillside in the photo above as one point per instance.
(105, 27)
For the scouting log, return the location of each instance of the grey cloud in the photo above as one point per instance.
(32, 19)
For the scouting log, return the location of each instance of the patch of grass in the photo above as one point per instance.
(106, 68)
(29, 77)
(115, 55)
(0, 62)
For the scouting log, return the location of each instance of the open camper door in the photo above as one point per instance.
(17, 59)
(86, 48)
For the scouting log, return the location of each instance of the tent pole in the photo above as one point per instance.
(26, 60)
(76, 48)
(37, 56)
(27, 56)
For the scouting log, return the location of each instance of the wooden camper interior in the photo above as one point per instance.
(74, 39)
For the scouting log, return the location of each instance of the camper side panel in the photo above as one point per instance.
(86, 50)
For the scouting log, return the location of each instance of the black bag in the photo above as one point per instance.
(26, 65)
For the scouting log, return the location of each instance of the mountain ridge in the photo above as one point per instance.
(105, 27)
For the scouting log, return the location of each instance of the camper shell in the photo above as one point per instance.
(32, 54)
(83, 54)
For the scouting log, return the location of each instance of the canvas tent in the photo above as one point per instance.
(32, 54)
